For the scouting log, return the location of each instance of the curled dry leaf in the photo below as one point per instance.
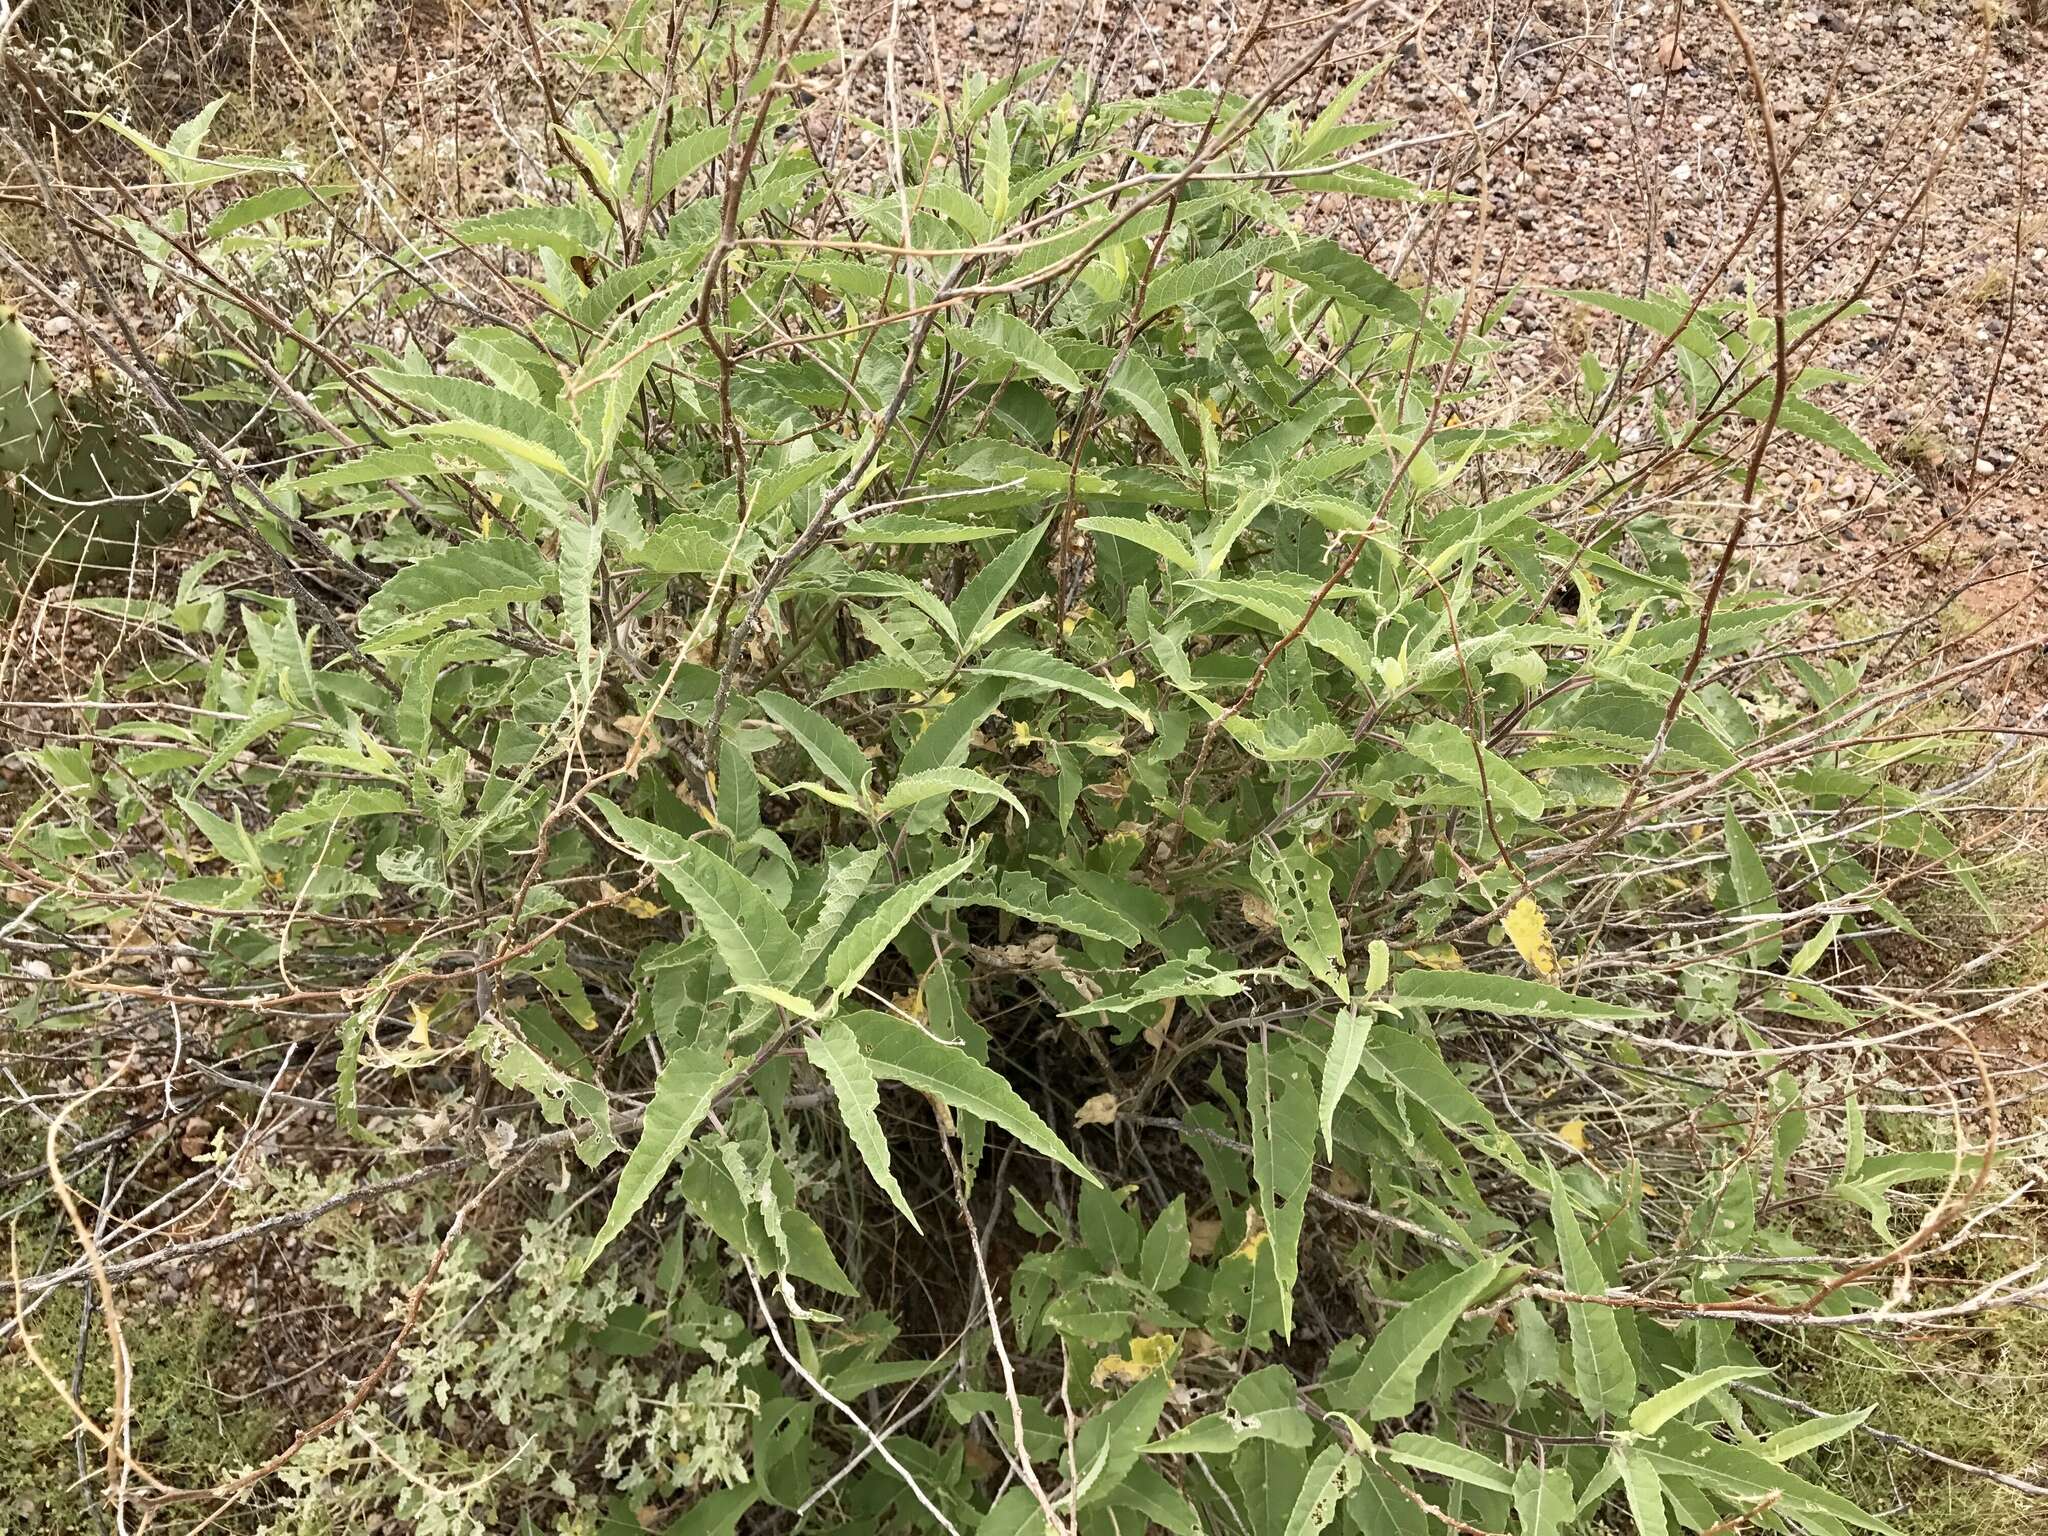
(1100, 1110)
(499, 1138)
(1156, 1031)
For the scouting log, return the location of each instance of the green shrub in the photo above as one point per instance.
(1125, 869)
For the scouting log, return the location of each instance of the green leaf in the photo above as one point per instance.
(503, 422)
(1297, 884)
(1163, 1258)
(1386, 1382)
(835, 752)
(1135, 381)
(911, 528)
(1643, 1488)
(1284, 605)
(902, 1052)
(566, 230)
(1162, 538)
(1802, 418)
(1027, 896)
(1446, 748)
(946, 739)
(978, 600)
(267, 204)
(1682, 1451)
(1601, 1368)
(1662, 317)
(1755, 899)
(1507, 996)
(685, 157)
(1336, 273)
(716, 1513)
(1227, 1431)
(866, 940)
(1043, 673)
(916, 788)
(1340, 1066)
(751, 936)
(1107, 1447)
(1016, 1513)
(836, 1053)
(848, 876)
(471, 581)
(1812, 1435)
(1146, 1491)
(995, 170)
(1282, 1105)
(350, 804)
(1459, 1463)
(1000, 342)
(683, 1095)
(1543, 1498)
(1331, 1477)
(1653, 1413)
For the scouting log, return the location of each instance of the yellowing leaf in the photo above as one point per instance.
(1100, 1110)
(1437, 957)
(1530, 931)
(422, 1015)
(1254, 1239)
(1148, 1357)
(1573, 1134)
(640, 907)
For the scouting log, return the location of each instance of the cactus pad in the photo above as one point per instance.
(28, 399)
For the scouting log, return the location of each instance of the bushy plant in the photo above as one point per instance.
(1206, 917)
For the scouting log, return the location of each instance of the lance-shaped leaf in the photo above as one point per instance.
(916, 788)
(835, 752)
(1508, 996)
(835, 1053)
(1042, 673)
(1282, 1108)
(1001, 342)
(1644, 1490)
(751, 936)
(683, 1095)
(476, 580)
(865, 941)
(976, 606)
(1135, 382)
(899, 1051)
(848, 872)
(1385, 1384)
(1601, 1368)
(1653, 1413)
(946, 740)
(1330, 1480)
(1340, 1066)
(1297, 884)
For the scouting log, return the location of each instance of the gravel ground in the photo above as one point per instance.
(1620, 150)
